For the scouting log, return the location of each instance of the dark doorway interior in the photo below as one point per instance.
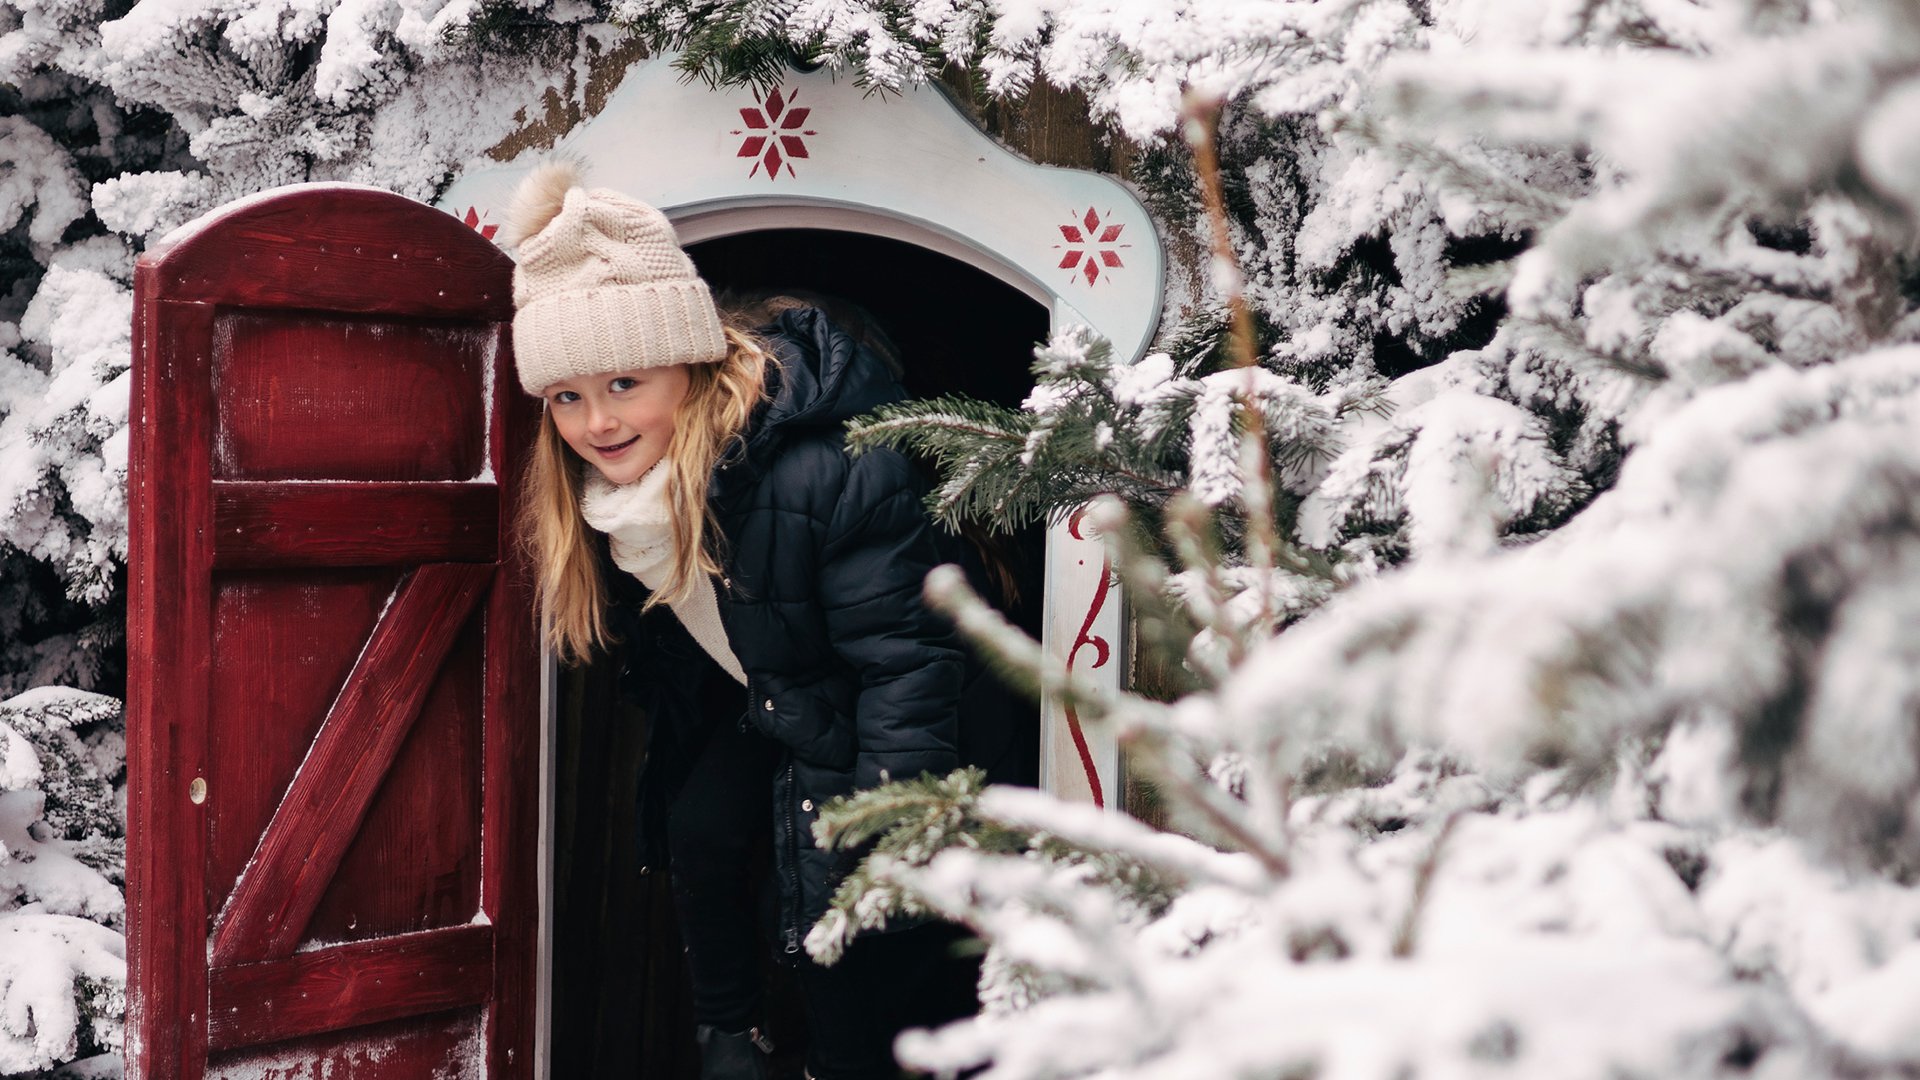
(619, 998)
(959, 330)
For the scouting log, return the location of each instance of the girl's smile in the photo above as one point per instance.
(621, 422)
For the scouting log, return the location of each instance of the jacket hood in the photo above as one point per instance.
(824, 379)
(826, 376)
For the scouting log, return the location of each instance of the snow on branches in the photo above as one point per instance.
(63, 434)
(1433, 924)
(1094, 426)
(62, 956)
(1135, 57)
(1617, 774)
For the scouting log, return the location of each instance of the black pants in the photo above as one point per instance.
(884, 984)
(718, 824)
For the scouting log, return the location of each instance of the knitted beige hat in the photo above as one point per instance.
(601, 285)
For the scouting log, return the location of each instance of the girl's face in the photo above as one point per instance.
(620, 423)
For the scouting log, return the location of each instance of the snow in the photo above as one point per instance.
(1508, 974)
(1549, 927)
(151, 204)
(62, 957)
(1873, 1014)
(39, 184)
(1756, 122)
(19, 765)
(1457, 469)
(57, 951)
(43, 958)
(52, 443)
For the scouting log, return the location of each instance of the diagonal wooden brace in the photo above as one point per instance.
(321, 813)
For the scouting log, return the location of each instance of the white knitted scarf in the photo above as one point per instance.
(639, 527)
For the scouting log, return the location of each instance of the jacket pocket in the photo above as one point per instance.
(804, 721)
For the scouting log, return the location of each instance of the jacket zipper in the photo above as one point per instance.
(793, 864)
(785, 796)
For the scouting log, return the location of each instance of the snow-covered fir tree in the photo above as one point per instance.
(1628, 795)
(63, 969)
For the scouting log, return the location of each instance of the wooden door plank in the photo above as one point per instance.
(346, 986)
(266, 524)
(169, 636)
(323, 807)
(510, 754)
(437, 1046)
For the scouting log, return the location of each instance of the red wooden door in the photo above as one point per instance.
(333, 702)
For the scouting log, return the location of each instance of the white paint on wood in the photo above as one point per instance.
(908, 165)
(1084, 632)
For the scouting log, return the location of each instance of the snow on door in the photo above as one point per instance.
(334, 686)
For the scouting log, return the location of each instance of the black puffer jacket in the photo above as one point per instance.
(823, 558)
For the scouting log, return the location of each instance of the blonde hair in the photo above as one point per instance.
(559, 542)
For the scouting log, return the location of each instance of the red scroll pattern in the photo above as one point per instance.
(1102, 653)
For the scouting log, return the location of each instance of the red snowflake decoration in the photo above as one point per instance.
(472, 219)
(1096, 247)
(778, 125)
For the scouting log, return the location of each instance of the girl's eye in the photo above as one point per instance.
(622, 383)
(565, 397)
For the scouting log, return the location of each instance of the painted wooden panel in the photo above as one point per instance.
(282, 647)
(820, 152)
(513, 796)
(168, 638)
(415, 862)
(349, 986)
(312, 398)
(327, 801)
(1078, 759)
(269, 524)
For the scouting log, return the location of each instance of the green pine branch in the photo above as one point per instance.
(908, 822)
(1006, 468)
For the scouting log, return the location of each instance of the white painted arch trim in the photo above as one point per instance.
(909, 165)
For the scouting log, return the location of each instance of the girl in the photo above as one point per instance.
(689, 505)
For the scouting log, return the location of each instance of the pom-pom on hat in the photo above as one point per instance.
(601, 285)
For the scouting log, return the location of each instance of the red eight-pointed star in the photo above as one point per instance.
(472, 220)
(1099, 242)
(787, 137)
